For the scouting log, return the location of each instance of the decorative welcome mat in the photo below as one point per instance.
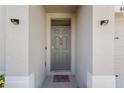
(61, 78)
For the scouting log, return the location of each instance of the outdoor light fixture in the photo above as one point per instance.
(15, 21)
(122, 8)
(104, 22)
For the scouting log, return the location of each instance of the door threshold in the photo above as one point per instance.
(61, 73)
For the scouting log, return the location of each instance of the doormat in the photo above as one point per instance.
(61, 78)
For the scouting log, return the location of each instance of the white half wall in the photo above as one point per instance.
(20, 81)
(37, 43)
(100, 81)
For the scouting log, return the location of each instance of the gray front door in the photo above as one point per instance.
(60, 45)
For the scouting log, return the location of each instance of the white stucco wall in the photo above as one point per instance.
(84, 44)
(25, 46)
(17, 41)
(103, 41)
(37, 43)
(2, 38)
(103, 47)
(95, 47)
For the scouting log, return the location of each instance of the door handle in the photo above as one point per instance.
(116, 75)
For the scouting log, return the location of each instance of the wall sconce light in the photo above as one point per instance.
(104, 22)
(122, 8)
(15, 21)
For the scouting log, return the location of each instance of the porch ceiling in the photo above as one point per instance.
(61, 8)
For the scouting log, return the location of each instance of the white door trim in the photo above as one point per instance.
(48, 29)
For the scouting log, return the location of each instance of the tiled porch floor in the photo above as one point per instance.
(50, 84)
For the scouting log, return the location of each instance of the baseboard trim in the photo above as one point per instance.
(100, 81)
(89, 80)
(19, 81)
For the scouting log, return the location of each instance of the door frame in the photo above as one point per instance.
(118, 67)
(48, 36)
